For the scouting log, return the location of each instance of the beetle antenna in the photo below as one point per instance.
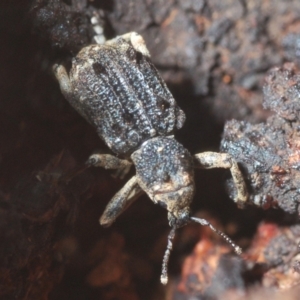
(204, 222)
(164, 271)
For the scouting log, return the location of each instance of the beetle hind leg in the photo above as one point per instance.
(62, 76)
(135, 39)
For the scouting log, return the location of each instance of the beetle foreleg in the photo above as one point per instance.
(210, 160)
(121, 201)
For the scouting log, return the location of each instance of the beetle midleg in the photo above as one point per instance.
(136, 40)
(108, 161)
(209, 160)
(121, 201)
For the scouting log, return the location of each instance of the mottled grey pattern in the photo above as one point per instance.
(120, 92)
(160, 160)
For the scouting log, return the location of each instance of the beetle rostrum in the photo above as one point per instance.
(117, 89)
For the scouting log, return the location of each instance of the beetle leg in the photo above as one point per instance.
(62, 76)
(210, 160)
(98, 29)
(66, 88)
(121, 201)
(108, 161)
(136, 40)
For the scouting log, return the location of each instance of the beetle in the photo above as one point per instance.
(117, 89)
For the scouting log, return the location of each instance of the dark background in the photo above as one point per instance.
(213, 55)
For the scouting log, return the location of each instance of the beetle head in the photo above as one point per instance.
(164, 170)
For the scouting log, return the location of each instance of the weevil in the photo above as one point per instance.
(117, 89)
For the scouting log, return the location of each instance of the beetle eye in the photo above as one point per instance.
(166, 177)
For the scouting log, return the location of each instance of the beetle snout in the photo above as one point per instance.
(175, 201)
